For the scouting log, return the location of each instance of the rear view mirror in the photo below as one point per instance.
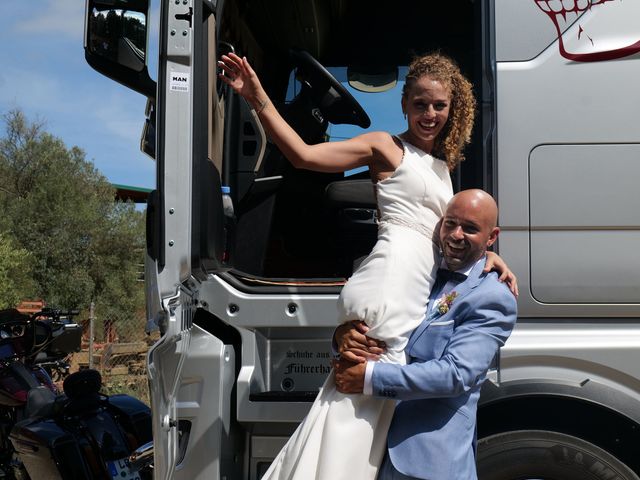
(369, 80)
(116, 42)
(120, 36)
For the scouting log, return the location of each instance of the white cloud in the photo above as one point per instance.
(31, 88)
(101, 102)
(64, 17)
(118, 118)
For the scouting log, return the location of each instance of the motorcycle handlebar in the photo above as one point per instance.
(55, 313)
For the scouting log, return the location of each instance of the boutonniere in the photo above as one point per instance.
(446, 301)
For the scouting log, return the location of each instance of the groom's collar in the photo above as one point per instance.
(473, 274)
(464, 270)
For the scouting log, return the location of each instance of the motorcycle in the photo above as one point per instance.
(79, 433)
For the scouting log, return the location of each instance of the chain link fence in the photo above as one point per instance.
(117, 348)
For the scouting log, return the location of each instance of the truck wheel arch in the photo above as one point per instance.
(598, 415)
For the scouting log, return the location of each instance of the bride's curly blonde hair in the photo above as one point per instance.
(457, 131)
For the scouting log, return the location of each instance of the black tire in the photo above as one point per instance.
(543, 455)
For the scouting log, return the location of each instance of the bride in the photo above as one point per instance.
(344, 436)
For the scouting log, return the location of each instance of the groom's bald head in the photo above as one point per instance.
(468, 228)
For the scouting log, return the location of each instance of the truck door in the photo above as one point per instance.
(184, 216)
(189, 231)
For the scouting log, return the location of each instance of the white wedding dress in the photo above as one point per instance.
(344, 436)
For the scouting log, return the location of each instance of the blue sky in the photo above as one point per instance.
(45, 75)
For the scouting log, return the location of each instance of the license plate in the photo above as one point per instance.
(299, 365)
(119, 469)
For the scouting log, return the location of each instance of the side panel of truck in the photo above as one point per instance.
(568, 156)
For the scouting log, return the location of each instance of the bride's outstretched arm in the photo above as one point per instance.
(359, 151)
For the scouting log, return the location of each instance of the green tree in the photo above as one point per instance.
(115, 268)
(15, 272)
(84, 246)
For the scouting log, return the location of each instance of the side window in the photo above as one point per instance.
(382, 107)
(153, 37)
(293, 87)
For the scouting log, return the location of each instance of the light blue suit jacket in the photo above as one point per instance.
(432, 435)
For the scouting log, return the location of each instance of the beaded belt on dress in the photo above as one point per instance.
(403, 222)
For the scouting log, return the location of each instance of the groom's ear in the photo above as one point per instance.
(493, 236)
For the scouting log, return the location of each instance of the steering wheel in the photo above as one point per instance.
(334, 101)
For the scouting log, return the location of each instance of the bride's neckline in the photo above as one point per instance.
(407, 142)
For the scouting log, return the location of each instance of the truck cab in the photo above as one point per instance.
(246, 302)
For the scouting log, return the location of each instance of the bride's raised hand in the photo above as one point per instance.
(238, 74)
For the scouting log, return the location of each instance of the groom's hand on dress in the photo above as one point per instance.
(349, 376)
(354, 345)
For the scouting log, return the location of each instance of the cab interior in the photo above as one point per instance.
(300, 226)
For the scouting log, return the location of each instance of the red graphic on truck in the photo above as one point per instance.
(559, 9)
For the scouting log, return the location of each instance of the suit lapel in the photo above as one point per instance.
(473, 279)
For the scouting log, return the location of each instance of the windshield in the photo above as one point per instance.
(382, 107)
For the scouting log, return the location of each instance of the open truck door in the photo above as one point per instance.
(184, 216)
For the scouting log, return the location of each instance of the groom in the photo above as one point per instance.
(470, 315)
